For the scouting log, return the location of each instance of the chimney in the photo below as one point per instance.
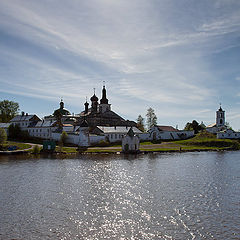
(26, 114)
(22, 114)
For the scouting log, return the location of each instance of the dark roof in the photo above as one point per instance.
(167, 128)
(94, 98)
(130, 133)
(63, 111)
(25, 118)
(84, 123)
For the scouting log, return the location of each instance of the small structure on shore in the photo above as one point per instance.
(130, 142)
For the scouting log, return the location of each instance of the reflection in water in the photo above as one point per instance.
(157, 196)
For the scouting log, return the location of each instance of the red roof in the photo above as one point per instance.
(167, 128)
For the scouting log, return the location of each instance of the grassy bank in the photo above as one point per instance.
(208, 140)
(12, 144)
(201, 142)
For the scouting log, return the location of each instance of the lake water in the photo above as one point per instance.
(155, 196)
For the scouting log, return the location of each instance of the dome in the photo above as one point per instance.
(61, 110)
(94, 98)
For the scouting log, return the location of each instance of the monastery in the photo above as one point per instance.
(95, 124)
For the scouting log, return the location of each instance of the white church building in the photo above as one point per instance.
(220, 129)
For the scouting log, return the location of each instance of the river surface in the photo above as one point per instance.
(155, 196)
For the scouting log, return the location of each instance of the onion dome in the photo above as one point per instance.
(94, 98)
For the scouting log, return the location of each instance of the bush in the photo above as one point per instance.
(36, 149)
(63, 138)
(103, 143)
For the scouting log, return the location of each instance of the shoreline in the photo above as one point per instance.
(104, 151)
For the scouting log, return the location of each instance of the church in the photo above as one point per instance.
(220, 122)
(100, 113)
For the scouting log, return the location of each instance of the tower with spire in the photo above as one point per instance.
(104, 106)
(220, 117)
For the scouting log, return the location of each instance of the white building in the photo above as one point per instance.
(228, 133)
(220, 122)
(115, 134)
(24, 120)
(130, 142)
(168, 133)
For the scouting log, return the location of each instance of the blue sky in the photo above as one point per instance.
(180, 57)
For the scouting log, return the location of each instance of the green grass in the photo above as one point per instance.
(66, 149)
(205, 139)
(20, 146)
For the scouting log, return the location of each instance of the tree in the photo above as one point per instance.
(140, 123)
(194, 125)
(151, 118)
(3, 136)
(8, 109)
(14, 132)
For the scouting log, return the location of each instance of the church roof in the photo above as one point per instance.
(84, 123)
(167, 128)
(211, 125)
(130, 133)
(118, 129)
(61, 110)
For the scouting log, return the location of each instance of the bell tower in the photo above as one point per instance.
(104, 106)
(220, 117)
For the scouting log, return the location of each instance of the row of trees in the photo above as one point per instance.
(151, 120)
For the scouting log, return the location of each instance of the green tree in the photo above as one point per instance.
(151, 118)
(3, 136)
(8, 109)
(194, 125)
(140, 123)
(14, 131)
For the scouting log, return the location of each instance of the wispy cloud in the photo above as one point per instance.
(165, 54)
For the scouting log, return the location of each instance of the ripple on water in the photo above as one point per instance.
(165, 196)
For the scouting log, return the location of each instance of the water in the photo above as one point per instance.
(161, 196)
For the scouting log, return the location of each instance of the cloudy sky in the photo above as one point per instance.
(180, 57)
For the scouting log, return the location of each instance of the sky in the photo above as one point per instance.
(180, 57)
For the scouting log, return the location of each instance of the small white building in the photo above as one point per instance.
(84, 140)
(168, 133)
(228, 133)
(130, 142)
